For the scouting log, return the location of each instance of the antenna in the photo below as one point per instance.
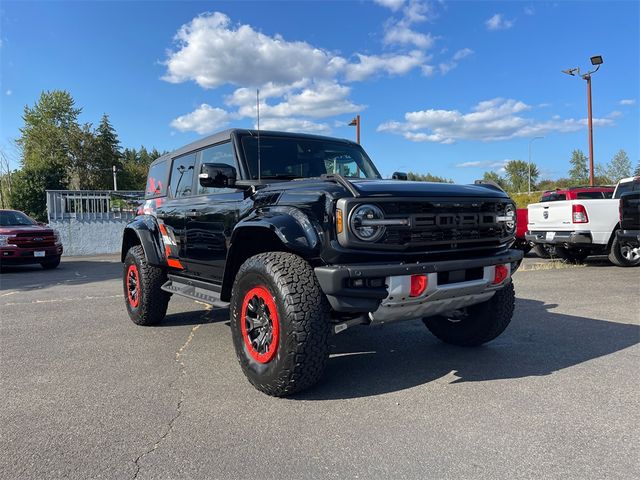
(258, 109)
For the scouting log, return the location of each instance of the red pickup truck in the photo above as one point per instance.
(571, 193)
(24, 241)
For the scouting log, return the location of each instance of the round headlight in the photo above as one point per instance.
(510, 212)
(362, 223)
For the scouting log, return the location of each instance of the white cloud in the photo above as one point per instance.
(297, 80)
(491, 164)
(394, 5)
(499, 22)
(369, 65)
(204, 119)
(212, 53)
(8, 93)
(400, 31)
(627, 101)
(529, 11)
(489, 120)
(293, 125)
(446, 67)
(317, 101)
(428, 70)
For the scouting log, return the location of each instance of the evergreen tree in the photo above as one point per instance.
(636, 172)
(106, 155)
(579, 172)
(620, 166)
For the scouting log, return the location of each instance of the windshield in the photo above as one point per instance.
(632, 186)
(291, 157)
(10, 218)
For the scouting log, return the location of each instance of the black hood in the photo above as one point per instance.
(397, 188)
(386, 188)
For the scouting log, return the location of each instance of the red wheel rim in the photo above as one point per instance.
(133, 285)
(259, 324)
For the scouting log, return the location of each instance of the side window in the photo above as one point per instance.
(182, 175)
(157, 180)
(222, 153)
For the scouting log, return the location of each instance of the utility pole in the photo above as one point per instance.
(596, 61)
(115, 180)
(356, 123)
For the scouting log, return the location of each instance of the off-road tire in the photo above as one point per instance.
(302, 348)
(152, 303)
(571, 255)
(617, 257)
(482, 323)
(51, 264)
(540, 250)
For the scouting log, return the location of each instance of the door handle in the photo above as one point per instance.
(192, 213)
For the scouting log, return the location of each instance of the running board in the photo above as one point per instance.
(194, 292)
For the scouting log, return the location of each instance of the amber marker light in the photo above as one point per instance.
(339, 222)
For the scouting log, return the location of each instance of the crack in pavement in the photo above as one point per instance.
(182, 372)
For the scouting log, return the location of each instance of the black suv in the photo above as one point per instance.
(301, 238)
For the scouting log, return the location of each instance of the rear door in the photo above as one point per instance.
(172, 213)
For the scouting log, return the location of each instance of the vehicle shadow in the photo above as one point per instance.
(376, 360)
(195, 317)
(69, 272)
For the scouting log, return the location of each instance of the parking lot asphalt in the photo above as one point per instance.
(87, 394)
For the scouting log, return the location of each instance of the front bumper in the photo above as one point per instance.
(384, 290)
(572, 238)
(11, 255)
(629, 237)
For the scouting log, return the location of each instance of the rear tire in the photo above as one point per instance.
(572, 255)
(541, 250)
(623, 255)
(146, 302)
(481, 324)
(279, 323)
(51, 264)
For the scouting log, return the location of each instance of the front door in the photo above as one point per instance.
(211, 216)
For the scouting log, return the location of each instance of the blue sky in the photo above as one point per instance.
(447, 87)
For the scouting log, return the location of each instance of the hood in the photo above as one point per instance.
(385, 188)
(35, 229)
(397, 188)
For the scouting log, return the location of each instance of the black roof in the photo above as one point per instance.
(226, 134)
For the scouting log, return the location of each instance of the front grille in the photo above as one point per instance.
(30, 240)
(444, 225)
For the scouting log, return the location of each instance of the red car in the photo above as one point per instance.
(571, 193)
(25, 241)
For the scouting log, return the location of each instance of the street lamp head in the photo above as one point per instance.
(597, 60)
(570, 71)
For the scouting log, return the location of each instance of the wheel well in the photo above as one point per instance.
(613, 235)
(249, 241)
(129, 239)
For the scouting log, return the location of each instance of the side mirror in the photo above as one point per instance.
(217, 175)
(399, 176)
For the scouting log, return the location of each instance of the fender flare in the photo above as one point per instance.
(293, 227)
(146, 230)
(295, 231)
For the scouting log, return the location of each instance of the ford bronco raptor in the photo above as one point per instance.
(301, 238)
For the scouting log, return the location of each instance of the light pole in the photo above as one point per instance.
(356, 123)
(596, 60)
(530, 142)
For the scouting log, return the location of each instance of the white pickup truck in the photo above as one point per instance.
(579, 228)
